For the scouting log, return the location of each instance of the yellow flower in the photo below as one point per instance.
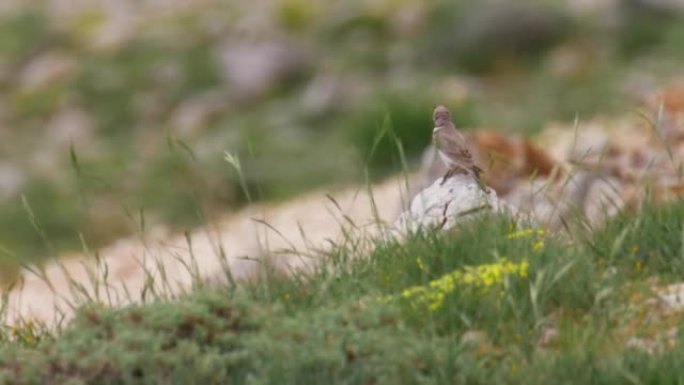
(525, 233)
(482, 277)
(639, 265)
(538, 246)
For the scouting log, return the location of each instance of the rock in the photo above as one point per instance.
(645, 345)
(322, 93)
(195, 113)
(446, 205)
(548, 336)
(46, 70)
(12, 180)
(70, 126)
(580, 195)
(474, 337)
(605, 198)
(672, 296)
(252, 68)
(531, 197)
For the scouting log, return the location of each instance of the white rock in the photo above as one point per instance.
(446, 205)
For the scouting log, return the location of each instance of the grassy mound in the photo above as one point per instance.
(486, 303)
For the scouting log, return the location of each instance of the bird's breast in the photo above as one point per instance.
(447, 161)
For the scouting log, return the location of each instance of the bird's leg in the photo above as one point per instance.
(476, 172)
(481, 184)
(448, 175)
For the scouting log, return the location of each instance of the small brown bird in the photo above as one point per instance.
(452, 147)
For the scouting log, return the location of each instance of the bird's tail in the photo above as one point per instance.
(476, 175)
(477, 171)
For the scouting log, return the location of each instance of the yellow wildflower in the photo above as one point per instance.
(482, 277)
(538, 246)
(525, 233)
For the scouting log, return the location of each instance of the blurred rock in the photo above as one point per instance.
(645, 345)
(474, 337)
(568, 61)
(445, 205)
(495, 30)
(103, 26)
(665, 107)
(195, 113)
(12, 180)
(531, 197)
(672, 296)
(579, 197)
(507, 158)
(252, 68)
(70, 126)
(321, 94)
(114, 33)
(605, 198)
(548, 336)
(46, 69)
(597, 139)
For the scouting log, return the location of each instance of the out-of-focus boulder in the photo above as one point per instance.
(252, 68)
(45, 70)
(195, 113)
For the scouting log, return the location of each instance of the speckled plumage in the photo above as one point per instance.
(452, 146)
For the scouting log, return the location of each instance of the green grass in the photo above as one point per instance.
(358, 317)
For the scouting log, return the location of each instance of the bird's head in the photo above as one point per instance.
(441, 114)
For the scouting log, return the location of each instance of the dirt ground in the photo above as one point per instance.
(159, 262)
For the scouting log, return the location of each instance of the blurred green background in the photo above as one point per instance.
(116, 111)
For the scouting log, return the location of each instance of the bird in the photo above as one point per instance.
(452, 147)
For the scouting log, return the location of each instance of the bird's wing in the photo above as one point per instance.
(453, 144)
